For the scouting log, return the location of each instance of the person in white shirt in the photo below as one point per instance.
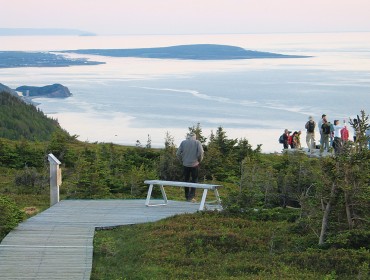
(337, 143)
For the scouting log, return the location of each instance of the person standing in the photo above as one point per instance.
(344, 134)
(323, 119)
(331, 134)
(190, 153)
(286, 139)
(337, 142)
(292, 142)
(325, 135)
(297, 140)
(310, 134)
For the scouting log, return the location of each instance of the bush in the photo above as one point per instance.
(29, 181)
(350, 239)
(344, 262)
(10, 216)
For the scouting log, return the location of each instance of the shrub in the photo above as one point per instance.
(350, 239)
(10, 216)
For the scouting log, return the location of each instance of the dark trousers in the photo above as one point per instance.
(337, 145)
(194, 172)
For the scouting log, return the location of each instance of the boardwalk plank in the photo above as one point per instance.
(58, 243)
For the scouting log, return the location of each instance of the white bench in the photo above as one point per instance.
(162, 183)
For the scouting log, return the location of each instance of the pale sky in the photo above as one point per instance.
(108, 17)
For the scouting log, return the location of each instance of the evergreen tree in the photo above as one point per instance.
(148, 143)
(360, 124)
(169, 165)
(197, 130)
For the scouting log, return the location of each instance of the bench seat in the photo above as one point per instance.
(162, 183)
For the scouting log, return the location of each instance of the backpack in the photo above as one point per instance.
(310, 126)
(281, 139)
(344, 134)
(326, 128)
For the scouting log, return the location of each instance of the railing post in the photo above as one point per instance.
(55, 179)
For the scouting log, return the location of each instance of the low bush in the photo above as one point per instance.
(10, 216)
(212, 245)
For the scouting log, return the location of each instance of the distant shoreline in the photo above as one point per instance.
(43, 32)
(16, 59)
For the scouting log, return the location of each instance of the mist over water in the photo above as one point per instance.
(128, 99)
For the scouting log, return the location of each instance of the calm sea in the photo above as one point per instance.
(129, 99)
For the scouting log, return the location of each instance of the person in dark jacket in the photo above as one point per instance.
(286, 138)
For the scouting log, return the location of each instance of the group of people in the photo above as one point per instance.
(331, 135)
(291, 140)
(190, 151)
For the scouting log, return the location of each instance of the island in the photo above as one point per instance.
(13, 59)
(52, 91)
(194, 52)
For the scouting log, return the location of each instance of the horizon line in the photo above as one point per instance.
(79, 32)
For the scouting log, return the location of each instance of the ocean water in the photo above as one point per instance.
(129, 99)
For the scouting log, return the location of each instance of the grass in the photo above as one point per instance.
(31, 204)
(213, 245)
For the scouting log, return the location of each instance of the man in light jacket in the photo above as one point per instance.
(190, 152)
(310, 134)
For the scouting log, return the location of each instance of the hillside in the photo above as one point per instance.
(19, 120)
(7, 89)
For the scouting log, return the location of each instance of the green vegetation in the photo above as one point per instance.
(221, 246)
(19, 120)
(10, 216)
(286, 216)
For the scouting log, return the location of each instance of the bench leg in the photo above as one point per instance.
(204, 196)
(217, 196)
(147, 202)
(149, 195)
(203, 201)
(163, 194)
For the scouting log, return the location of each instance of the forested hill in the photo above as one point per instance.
(19, 120)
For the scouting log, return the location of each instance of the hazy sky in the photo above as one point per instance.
(188, 16)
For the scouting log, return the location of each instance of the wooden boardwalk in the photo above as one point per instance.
(58, 243)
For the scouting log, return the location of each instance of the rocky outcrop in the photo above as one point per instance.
(53, 91)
